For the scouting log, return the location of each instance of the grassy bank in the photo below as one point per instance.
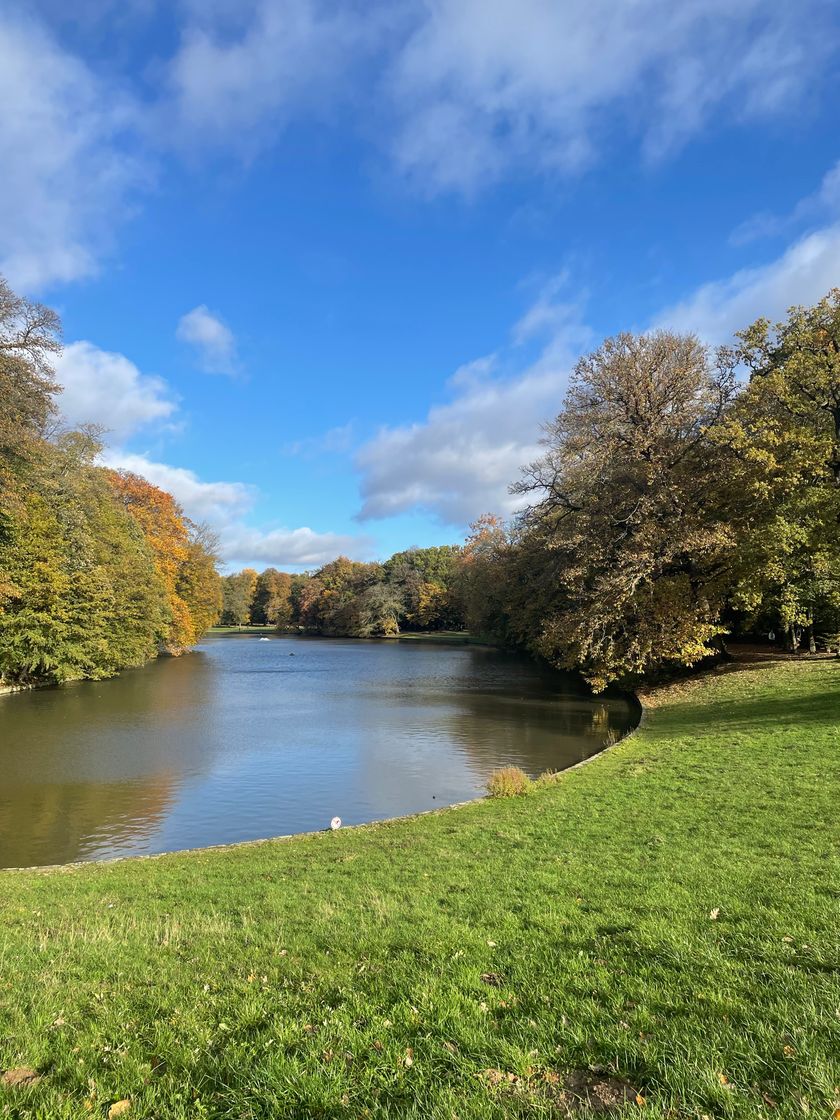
(241, 630)
(454, 637)
(667, 915)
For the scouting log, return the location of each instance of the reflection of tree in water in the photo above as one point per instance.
(60, 823)
(601, 720)
(91, 769)
(530, 717)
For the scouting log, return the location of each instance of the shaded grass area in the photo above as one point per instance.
(668, 913)
(454, 637)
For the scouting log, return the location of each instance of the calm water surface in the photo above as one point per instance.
(245, 738)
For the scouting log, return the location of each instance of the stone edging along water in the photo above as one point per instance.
(322, 832)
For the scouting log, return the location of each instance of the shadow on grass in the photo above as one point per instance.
(750, 713)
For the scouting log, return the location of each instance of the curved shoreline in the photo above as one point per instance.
(323, 832)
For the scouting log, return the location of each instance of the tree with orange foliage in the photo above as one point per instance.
(182, 558)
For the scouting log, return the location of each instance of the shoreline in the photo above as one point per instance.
(286, 837)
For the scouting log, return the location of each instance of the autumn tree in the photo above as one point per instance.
(177, 556)
(270, 604)
(198, 583)
(29, 340)
(425, 579)
(631, 510)
(482, 568)
(82, 596)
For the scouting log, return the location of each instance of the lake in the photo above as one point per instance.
(245, 738)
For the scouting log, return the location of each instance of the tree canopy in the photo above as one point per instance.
(98, 570)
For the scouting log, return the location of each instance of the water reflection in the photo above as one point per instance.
(243, 739)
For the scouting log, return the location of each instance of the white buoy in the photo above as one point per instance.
(265, 639)
(335, 823)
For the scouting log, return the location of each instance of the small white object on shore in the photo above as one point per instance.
(335, 823)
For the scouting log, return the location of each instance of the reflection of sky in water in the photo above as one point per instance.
(241, 740)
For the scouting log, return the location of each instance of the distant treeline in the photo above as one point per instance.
(419, 589)
(682, 494)
(99, 570)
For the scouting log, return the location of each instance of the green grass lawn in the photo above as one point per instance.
(667, 914)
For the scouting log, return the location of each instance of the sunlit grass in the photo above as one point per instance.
(668, 913)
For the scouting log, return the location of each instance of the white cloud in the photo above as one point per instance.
(104, 388)
(486, 87)
(241, 70)
(289, 548)
(65, 159)
(217, 503)
(213, 341)
(222, 505)
(463, 92)
(825, 201)
(459, 461)
(801, 275)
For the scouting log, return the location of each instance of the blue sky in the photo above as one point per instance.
(324, 268)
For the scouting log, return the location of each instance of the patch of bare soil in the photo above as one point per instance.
(578, 1093)
(19, 1078)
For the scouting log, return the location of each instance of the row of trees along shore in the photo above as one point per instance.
(99, 570)
(683, 494)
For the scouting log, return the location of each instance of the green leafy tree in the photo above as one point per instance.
(237, 596)
(785, 432)
(426, 580)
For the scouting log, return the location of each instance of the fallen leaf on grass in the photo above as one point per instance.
(19, 1077)
(714, 914)
(492, 978)
(119, 1108)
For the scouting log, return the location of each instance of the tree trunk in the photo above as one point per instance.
(792, 638)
